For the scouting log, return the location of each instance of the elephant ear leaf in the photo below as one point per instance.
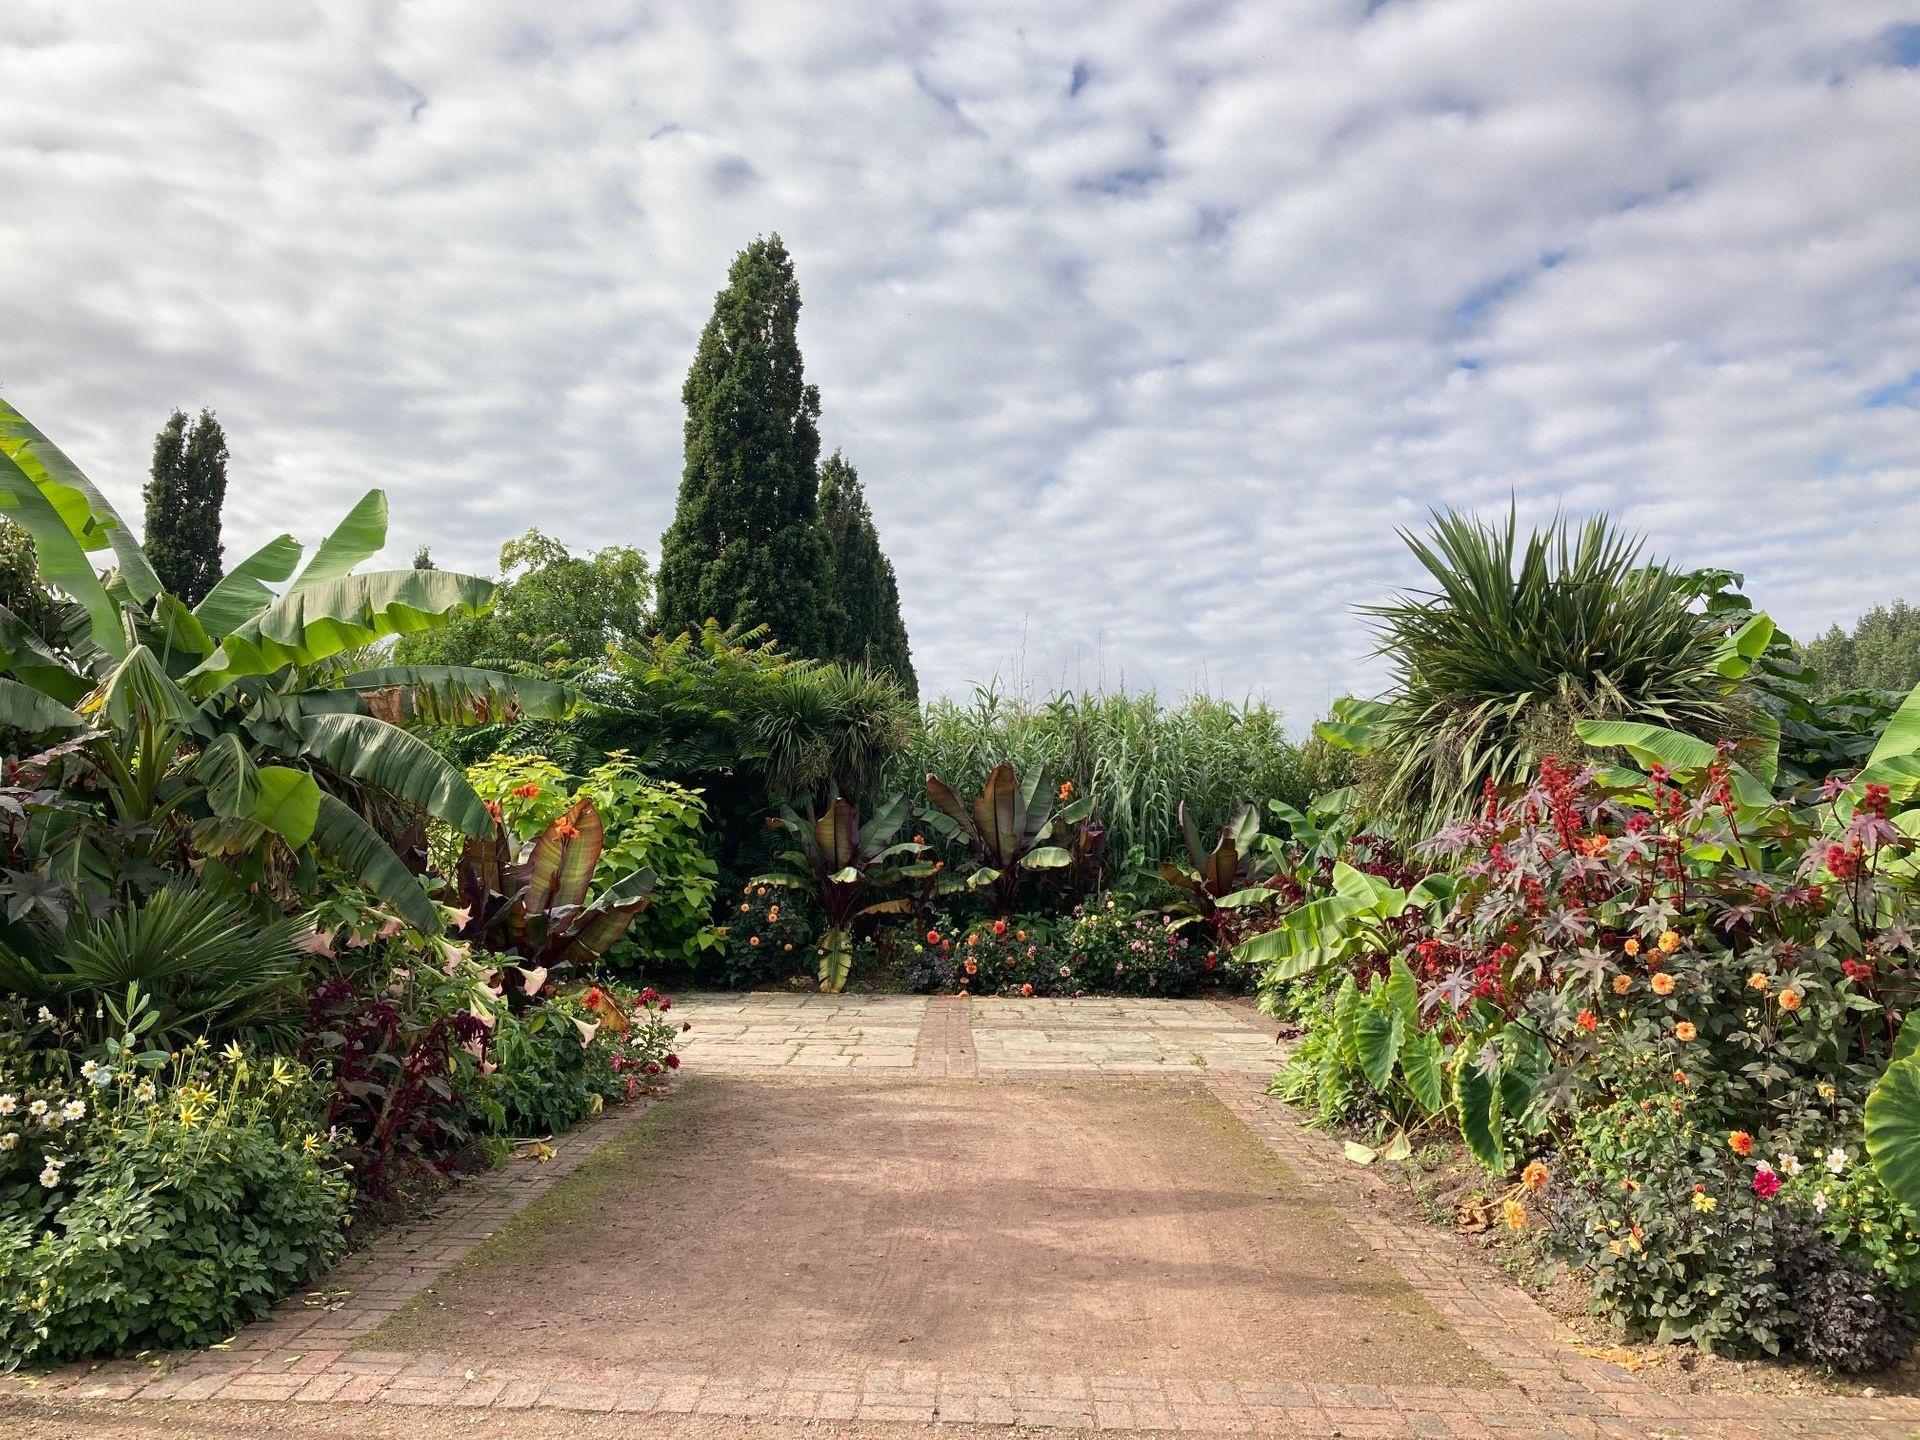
(1893, 1130)
(1476, 1097)
(1378, 1036)
(359, 536)
(1422, 1065)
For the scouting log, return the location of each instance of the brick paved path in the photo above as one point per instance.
(306, 1351)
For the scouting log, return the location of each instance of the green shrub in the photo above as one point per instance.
(651, 824)
(170, 1209)
(568, 1056)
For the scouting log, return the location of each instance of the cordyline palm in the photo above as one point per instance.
(216, 728)
(1516, 644)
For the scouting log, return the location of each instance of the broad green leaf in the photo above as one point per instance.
(1893, 1130)
(139, 692)
(25, 656)
(1046, 857)
(1476, 1099)
(1314, 935)
(24, 708)
(836, 960)
(1746, 645)
(372, 752)
(359, 536)
(1422, 1064)
(1377, 1038)
(1902, 735)
(1649, 744)
(359, 850)
(43, 463)
(1908, 1040)
(610, 916)
(1345, 736)
(326, 618)
(287, 802)
(62, 558)
(1899, 773)
(242, 592)
(227, 774)
(1400, 991)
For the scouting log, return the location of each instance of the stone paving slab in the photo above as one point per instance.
(303, 1353)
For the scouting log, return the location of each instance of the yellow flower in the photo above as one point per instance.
(283, 1073)
(1669, 941)
(1704, 1202)
(190, 1113)
(1827, 1092)
(1515, 1214)
(1622, 984)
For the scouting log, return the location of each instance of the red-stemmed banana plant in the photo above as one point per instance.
(841, 864)
(534, 905)
(1009, 826)
(1216, 882)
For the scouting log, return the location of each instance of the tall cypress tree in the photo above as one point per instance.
(188, 485)
(745, 547)
(865, 609)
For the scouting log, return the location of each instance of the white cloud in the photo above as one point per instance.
(1146, 325)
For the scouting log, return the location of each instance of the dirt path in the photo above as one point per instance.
(1057, 1228)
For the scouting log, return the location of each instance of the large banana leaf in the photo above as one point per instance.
(24, 708)
(139, 692)
(25, 656)
(44, 464)
(323, 619)
(372, 752)
(358, 849)
(1902, 735)
(609, 917)
(284, 800)
(564, 856)
(1649, 744)
(50, 513)
(455, 695)
(359, 536)
(837, 833)
(242, 592)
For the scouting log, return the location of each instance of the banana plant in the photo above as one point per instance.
(1009, 826)
(841, 863)
(225, 728)
(533, 902)
(1216, 882)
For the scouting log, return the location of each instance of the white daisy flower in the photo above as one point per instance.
(9, 1104)
(1836, 1160)
(50, 1176)
(74, 1109)
(8, 1141)
(1789, 1164)
(46, 1014)
(1820, 1201)
(37, 1108)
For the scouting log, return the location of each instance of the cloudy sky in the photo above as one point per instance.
(1145, 324)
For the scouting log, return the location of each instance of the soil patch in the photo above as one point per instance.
(1072, 1227)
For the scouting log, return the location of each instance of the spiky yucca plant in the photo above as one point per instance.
(1521, 639)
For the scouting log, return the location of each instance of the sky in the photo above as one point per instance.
(1148, 326)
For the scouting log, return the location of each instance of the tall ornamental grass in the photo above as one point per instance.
(1140, 755)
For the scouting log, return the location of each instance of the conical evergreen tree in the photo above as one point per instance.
(188, 485)
(745, 547)
(864, 612)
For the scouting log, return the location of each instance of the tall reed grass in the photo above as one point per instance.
(1140, 755)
